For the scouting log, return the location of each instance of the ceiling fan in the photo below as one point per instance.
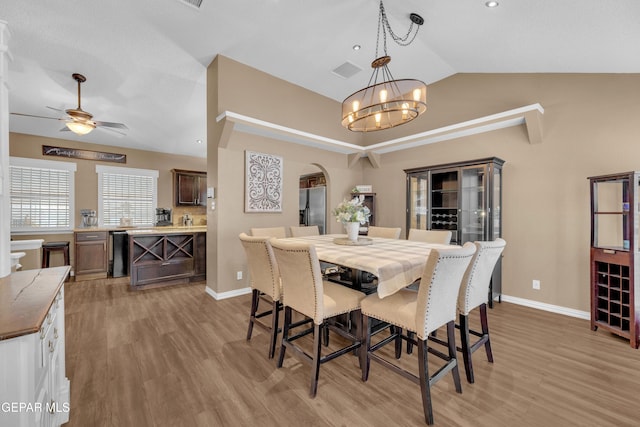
(79, 121)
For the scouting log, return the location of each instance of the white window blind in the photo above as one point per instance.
(41, 195)
(126, 193)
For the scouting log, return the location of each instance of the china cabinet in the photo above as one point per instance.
(464, 198)
(614, 254)
(369, 200)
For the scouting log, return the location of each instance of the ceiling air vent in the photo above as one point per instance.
(347, 70)
(192, 3)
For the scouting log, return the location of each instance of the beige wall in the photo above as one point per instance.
(230, 84)
(591, 127)
(86, 179)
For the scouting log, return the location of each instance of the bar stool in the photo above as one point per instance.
(49, 247)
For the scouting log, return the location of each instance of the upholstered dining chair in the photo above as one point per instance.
(422, 312)
(310, 230)
(430, 236)
(474, 292)
(305, 292)
(386, 232)
(265, 282)
(277, 232)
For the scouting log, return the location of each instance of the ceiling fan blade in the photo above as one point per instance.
(55, 109)
(112, 131)
(111, 125)
(38, 117)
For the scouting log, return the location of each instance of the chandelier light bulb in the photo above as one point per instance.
(383, 95)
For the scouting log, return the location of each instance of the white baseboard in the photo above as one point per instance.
(547, 307)
(228, 294)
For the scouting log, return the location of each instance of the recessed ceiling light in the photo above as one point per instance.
(199, 141)
(356, 47)
(492, 4)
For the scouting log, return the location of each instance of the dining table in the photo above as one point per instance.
(395, 262)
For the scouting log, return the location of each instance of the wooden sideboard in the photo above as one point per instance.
(160, 259)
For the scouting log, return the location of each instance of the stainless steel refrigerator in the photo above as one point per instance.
(313, 207)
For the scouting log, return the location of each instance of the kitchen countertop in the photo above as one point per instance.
(147, 230)
(25, 299)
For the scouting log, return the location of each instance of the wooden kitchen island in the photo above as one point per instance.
(167, 256)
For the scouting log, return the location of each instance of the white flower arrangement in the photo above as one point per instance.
(352, 211)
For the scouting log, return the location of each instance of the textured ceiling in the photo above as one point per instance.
(145, 60)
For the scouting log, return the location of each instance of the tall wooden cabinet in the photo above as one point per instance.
(464, 198)
(615, 293)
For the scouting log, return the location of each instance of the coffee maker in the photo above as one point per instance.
(163, 217)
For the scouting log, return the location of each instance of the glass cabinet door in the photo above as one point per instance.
(496, 204)
(473, 209)
(418, 206)
(611, 214)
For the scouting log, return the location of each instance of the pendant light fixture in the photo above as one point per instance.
(386, 102)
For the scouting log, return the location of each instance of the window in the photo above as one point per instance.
(41, 195)
(126, 193)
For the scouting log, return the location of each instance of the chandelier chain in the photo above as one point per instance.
(383, 22)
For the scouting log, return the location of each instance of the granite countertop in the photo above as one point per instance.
(147, 230)
(167, 230)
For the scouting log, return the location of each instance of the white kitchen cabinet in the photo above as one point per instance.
(34, 390)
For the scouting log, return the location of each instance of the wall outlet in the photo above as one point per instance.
(536, 284)
(239, 276)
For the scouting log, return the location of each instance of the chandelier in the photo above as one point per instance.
(386, 102)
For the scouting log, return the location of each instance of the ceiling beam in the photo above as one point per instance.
(529, 115)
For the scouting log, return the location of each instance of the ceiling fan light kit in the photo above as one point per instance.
(386, 103)
(80, 128)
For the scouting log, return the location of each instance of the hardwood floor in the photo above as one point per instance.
(176, 357)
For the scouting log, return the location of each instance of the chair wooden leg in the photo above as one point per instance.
(424, 381)
(325, 337)
(398, 342)
(485, 332)
(466, 347)
(365, 347)
(285, 335)
(356, 316)
(451, 341)
(275, 317)
(410, 335)
(255, 299)
(315, 362)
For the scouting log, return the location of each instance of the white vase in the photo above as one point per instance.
(353, 230)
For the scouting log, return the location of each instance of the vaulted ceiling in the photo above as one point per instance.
(145, 61)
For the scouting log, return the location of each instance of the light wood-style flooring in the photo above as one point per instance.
(176, 357)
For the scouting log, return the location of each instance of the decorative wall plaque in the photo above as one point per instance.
(75, 153)
(263, 182)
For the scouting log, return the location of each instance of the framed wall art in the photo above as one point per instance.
(263, 182)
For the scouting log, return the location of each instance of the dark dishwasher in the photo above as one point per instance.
(120, 253)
